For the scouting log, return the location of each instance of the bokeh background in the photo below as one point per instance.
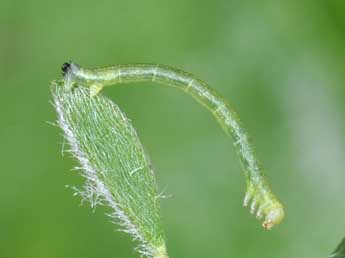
(280, 63)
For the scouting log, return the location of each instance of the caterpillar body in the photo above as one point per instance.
(259, 195)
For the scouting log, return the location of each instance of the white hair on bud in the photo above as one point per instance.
(95, 191)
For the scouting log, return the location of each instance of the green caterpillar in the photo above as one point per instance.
(263, 200)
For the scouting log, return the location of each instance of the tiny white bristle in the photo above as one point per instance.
(253, 206)
(246, 199)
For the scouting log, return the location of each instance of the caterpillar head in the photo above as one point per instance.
(69, 68)
(274, 216)
(69, 71)
(65, 68)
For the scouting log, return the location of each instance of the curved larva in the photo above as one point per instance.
(263, 201)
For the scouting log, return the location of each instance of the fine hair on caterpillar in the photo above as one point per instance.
(259, 195)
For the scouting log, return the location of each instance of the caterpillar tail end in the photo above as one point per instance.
(268, 208)
(274, 217)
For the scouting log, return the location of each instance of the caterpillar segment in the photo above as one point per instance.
(259, 196)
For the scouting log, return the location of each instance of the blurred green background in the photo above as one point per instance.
(280, 63)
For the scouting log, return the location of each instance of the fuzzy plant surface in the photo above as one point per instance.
(118, 173)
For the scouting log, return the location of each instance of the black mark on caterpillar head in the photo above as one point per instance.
(65, 68)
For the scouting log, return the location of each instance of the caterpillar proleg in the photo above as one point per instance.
(259, 195)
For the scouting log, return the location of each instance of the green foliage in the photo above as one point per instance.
(339, 252)
(117, 171)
